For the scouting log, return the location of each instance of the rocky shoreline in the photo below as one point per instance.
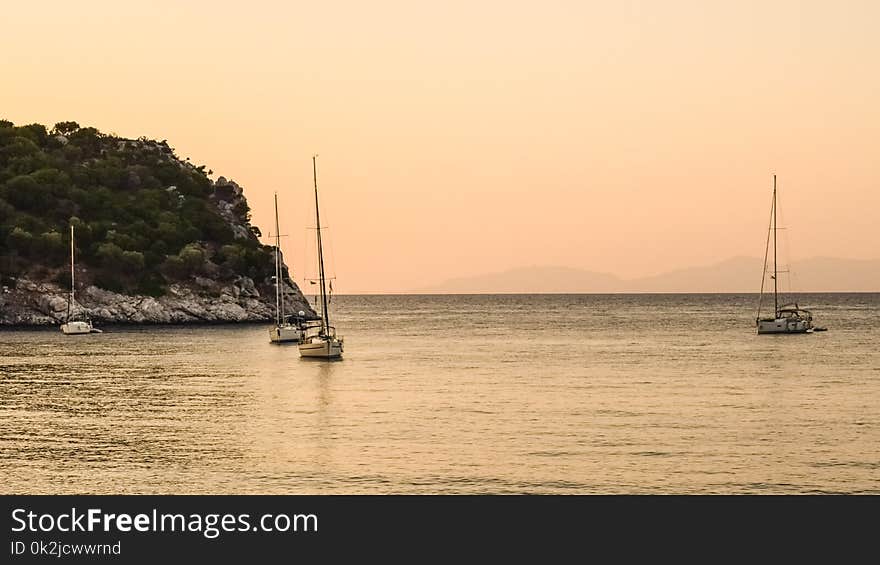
(203, 301)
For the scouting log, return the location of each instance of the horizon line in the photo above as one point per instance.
(550, 293)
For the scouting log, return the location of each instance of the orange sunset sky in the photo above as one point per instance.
(458, 138)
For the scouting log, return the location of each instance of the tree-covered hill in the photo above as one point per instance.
(157, 241)
(143, 217)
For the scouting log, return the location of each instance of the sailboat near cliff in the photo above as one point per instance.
(321, 340)
(77, 323)
(286, 329)
(787, 318)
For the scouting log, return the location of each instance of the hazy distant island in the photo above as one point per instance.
(157, 241)
(736, 275)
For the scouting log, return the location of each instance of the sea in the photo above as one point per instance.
(456, 394)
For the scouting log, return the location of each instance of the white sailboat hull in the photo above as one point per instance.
(285, 334)
(78, 328)
(784, 326)
(321, 348)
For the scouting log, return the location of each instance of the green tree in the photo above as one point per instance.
(25, 193)
(173, 267)
(132, 262)
(21, 241)
(35, 132)
(193, 257)
(87, 139)
(18, 146)
(65, 128)
(55, 181)
(233, 258)
(51, 246)
(110, 254)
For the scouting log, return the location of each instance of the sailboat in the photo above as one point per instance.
(74, 326)
(787, 318)
(284, 331)
(321, 340)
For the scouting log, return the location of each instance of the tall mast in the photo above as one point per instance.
(72, 276)
(775, 271)
(324, 313)
(279, 305)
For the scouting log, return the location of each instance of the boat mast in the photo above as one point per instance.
(279, 316)
(325, 315)
(72, 276)
(775, 271)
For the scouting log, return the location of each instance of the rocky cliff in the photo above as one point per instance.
(31, 303)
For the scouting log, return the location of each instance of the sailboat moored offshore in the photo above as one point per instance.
(75, 324)
(284, 330)
(321, 340)
(787, 318)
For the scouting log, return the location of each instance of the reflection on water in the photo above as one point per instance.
(566, 394)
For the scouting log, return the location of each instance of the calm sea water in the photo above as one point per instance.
(456, 394)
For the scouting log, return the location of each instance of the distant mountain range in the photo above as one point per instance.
(739, 274)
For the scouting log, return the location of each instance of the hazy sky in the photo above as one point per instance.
(458, 138)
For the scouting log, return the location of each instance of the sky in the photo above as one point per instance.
(458, 138)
